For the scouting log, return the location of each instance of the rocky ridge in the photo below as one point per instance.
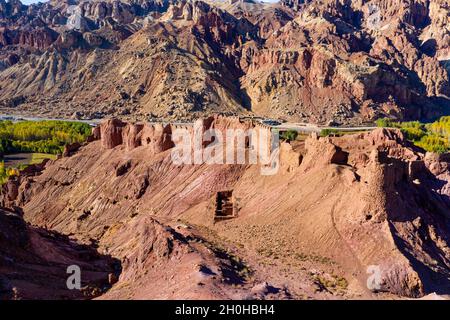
(314, 61)
(336, 207)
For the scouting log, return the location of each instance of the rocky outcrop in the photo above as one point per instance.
(70, 149)
(396, 179)
(322, 151)
(34, 263)
(96, 133)
(111, 133)
(132, 136)
(439, 165)
(183, 59)
(41, 38)
(294, 4)
(368, 201)
(157, 137)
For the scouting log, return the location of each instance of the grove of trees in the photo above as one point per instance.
(40, 136)
(48, 137)
(433, 137)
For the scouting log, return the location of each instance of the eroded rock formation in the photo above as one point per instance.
(34, 263)
(352, 204)
(316, 61)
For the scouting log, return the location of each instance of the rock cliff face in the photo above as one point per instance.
(34, 263)
(349, 57)
(341, 207)
(317, 61)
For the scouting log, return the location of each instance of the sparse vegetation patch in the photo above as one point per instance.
(433, 137)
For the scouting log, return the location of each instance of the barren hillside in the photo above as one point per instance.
(336, 208)
(317, 61)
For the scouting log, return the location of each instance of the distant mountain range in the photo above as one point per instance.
(319, 61)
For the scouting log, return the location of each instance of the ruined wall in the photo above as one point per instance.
(158, 137)
(114, 132)
(289, 159)
(247, 137)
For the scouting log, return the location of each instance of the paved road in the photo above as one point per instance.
(26, 118)
(300, 127)
(309, 128)
(93, 122)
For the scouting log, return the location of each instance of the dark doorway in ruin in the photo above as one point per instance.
(224, 206)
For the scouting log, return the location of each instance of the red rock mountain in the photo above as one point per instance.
(318, 61)
(338, 210)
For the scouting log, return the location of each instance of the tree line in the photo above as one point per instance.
(433, 137)
(40, 136)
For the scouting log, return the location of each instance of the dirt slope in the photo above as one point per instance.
(337, 207)
(317, 61)
(34, 263)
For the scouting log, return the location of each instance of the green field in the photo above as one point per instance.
(30, 142)
(12, 163)
(19, 159)
(37, 158)
(41, 136)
